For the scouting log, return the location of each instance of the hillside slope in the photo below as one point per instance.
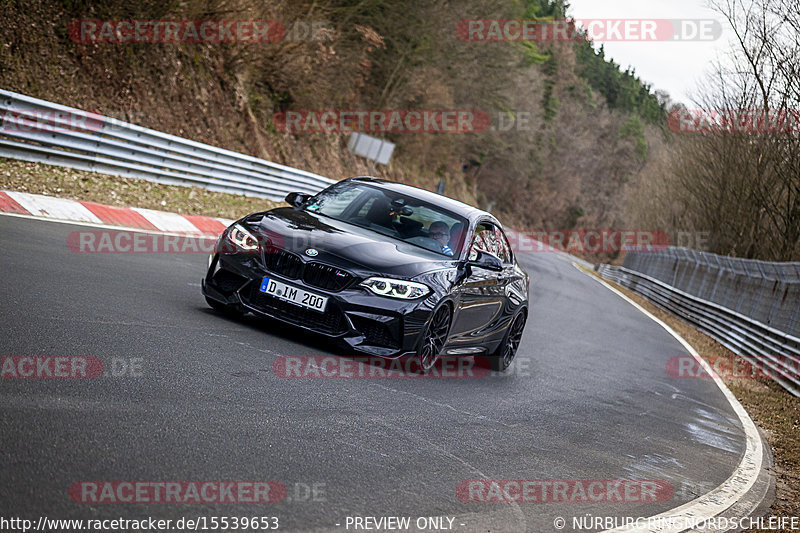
(561, 147)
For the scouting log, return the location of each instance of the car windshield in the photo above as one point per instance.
(393, 214)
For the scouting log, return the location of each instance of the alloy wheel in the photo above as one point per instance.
(435, 337)
(513, 340)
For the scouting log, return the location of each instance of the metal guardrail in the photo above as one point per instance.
(692, 285)
(43, 132)
(767, 292)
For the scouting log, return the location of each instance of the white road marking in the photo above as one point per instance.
(732, 489)
(50, 207)
(167, 221)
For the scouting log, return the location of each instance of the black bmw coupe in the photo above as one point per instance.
(387, 268)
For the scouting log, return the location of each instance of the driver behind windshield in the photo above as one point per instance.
(440, 232)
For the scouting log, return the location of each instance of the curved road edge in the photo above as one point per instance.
(748, 485)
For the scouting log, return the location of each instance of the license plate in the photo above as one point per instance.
(294, 295)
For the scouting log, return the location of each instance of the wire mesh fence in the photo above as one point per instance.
(751, 307)
(763, 291)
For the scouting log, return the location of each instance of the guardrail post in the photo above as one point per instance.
(793, 320)
(718, 278)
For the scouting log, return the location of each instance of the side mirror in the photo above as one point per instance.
(487, 261)
(296, 199)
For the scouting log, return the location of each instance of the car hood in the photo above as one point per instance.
(344, 245)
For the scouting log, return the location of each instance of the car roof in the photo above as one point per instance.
(467, 211)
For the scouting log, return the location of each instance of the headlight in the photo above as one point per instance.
(396, 288)
(242, 238)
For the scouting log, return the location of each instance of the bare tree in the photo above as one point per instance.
(741, 181)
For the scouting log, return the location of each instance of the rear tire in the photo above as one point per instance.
(502, 358)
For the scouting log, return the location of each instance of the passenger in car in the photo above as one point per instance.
(440, 232)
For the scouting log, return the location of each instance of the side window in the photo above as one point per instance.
(484, 240)
(504, 248)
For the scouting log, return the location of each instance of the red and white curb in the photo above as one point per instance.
(91, 213)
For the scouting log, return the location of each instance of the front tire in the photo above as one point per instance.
(432, 342)
(502, 358)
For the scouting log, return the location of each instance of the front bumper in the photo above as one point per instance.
(366, 322)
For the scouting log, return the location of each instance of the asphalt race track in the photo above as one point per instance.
(588, 398)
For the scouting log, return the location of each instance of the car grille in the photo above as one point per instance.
(326, 277)
(314, 274)
(331, 322)
(282, 262)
